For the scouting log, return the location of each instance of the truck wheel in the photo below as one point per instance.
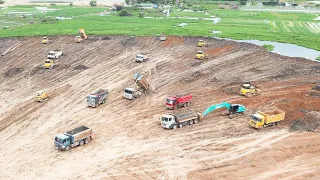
(174, 127)
(185, 104)
(67, 148)
(81, 143)
(103, 101)
(191, 122)
(180, 126)
(176, 107)
(87, 140)
(195, 121)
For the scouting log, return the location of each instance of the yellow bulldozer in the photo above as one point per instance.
(82, 36)
(41, 96)
(249, 90)
(49, 64)
(201, 55)
(45, 40)
(202, 43)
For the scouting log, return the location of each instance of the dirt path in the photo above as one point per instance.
(128, 140)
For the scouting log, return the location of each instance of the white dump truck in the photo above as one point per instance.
(131, 93)
(172, 121)
(141, 58)
(54, 54)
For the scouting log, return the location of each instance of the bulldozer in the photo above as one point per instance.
(41, 96)
(45, 40)
(49, 64)
(202, 43)
(249, 90)
(201, 55)
(82, 36)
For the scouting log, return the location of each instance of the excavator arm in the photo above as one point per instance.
(216, 106)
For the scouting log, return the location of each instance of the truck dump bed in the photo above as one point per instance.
(186, 116)
(100, 91)
(274, 115)
(80, 132)
(141, 81)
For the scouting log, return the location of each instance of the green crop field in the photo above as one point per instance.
(296, 28)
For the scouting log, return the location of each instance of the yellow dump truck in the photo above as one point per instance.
(268, 118)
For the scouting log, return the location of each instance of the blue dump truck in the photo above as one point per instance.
(76, 137)
(97, 97)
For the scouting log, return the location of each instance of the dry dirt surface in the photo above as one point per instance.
(128, 141)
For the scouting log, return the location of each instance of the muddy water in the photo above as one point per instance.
(285, 49)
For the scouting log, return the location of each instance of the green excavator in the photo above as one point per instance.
(234, 109)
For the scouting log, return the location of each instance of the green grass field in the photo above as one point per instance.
(295, 28)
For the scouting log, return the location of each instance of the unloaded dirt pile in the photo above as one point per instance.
(129, 142)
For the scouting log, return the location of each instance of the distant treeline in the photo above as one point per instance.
(50, 1)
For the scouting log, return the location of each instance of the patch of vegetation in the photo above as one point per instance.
(269, 47)
(318, 58)
(93, 3)
(125, 13)
(2, 2)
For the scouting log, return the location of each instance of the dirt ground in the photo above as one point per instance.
(129, 142)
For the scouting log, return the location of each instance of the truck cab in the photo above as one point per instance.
(256, 120)
(130, 93)
(168, 122)
(141, 58)
(171, 103)
(92, 100)
(62, 141)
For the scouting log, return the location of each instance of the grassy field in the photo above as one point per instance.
(296, 28)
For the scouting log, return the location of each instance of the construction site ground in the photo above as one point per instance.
(128, 141)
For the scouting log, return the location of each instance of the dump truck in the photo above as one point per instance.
(174, 102)
(267, 118)
(45, 40)
(201, 55)
(49, 64)
(54, 54)
(141, 58)
(78, 136)
(132, 93)
(249, 90)
(172, 121)
(162, 37)
(96, 98)
(202, 43)
(41, 96)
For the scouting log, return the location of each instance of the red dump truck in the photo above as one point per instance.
(267, 118)
(172, 121)
(174, 102)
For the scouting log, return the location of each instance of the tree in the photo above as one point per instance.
(93, 3)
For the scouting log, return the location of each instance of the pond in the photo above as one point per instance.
(285, 49)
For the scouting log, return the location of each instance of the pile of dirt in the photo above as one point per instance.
(12, 72)
(80, 67)
(106, 38)
(132, 41)
(310, 123)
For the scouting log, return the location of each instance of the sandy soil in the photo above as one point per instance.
(129, 142)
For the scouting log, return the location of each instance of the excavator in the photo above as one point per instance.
(249, 90)
(82, 36)
(234, 109)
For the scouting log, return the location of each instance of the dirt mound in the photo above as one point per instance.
(310, 123)
(106, 38)
(219, 50)
(132, 41)
(80, 67)
(12, 72)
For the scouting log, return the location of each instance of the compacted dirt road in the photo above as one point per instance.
(128, 141)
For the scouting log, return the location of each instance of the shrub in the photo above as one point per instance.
(118, 7)
(52, 4)
(71, 3)
(269, 47)
(318, 58)
(141, 15)
(93, 3)
(125, 13)
(2, 2)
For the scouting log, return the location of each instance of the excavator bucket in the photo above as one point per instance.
(82, 34)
